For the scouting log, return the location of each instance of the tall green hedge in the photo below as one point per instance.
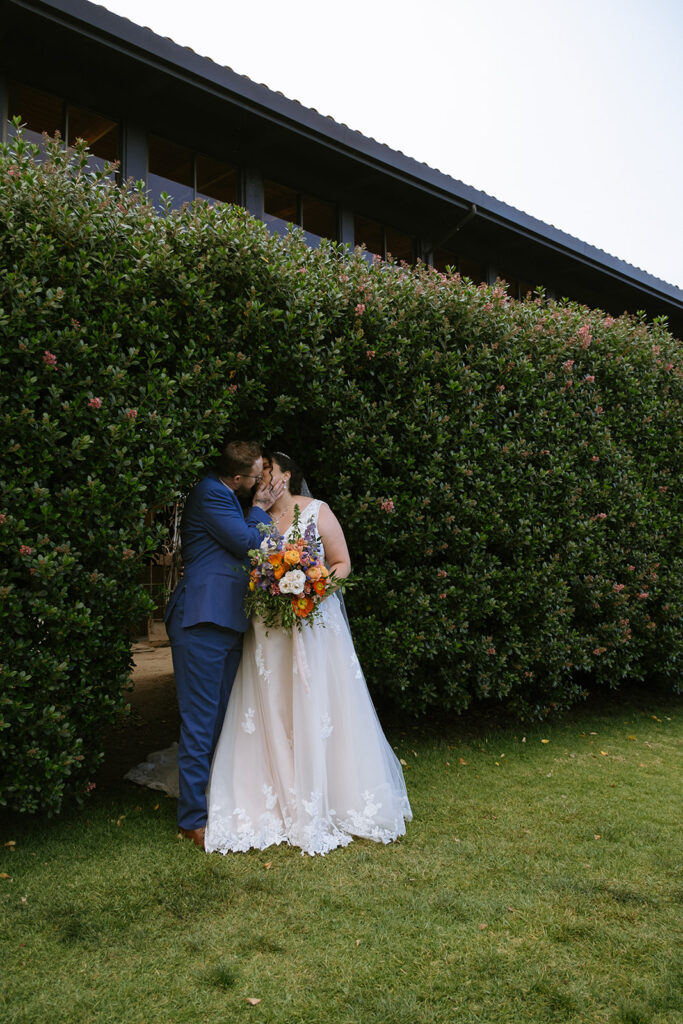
(507, 474)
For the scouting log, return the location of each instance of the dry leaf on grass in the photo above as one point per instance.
(252, 1001)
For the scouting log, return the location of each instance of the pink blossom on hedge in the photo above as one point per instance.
(232, 388)
(95, 403)
(387, 505)
(25, 550)
(668, 366)
(131, 414)
(49, 358)
(600, 515)
(3, 518)
(618, 587)
(595, 458)
(643, 595)
(608, 321)
(370, 353)
(491, 650)
(585, 335)
(128, 553)
(360, 309)
(567, 364)
(589, 378)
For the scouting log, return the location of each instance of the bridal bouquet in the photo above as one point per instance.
(288, 578)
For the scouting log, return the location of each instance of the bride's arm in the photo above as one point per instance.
(332, 535)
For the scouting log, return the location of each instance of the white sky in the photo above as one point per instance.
(570, 110)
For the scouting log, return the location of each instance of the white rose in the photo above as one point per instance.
(293, 582)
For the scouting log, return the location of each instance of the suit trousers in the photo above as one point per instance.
(205, 662)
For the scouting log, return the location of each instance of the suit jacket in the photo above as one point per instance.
(215, 539)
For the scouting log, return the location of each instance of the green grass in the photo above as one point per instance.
(539, 882)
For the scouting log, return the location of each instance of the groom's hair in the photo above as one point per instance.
(237, 457)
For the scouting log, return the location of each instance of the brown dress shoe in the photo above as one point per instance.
(195, 834)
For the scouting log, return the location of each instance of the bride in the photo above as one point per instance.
(302, 758)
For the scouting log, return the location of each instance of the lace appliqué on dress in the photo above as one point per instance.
(264, 672)
(248, 724)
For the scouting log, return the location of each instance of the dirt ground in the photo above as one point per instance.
(153, 722)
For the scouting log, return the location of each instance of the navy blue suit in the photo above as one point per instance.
(205, 620)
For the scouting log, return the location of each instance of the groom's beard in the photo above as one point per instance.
(245, 496)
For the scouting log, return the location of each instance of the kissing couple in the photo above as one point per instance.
(279, 739)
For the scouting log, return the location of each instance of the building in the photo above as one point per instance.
(194, 129)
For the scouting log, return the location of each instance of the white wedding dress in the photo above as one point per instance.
(302, 758)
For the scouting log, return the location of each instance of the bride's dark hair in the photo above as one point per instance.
(287, 465)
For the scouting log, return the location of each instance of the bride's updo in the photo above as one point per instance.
(287, 465)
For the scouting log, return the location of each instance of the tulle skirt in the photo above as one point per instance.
(302, 758)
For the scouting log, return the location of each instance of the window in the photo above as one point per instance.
(39, 111)
(215, 180)
(443, 258)
(170, 168)
(101, 135)
(283, 205)
(383, 241)
(319, 217)
(42, 112)
(281, 202)
(472, 269)
(186, 175)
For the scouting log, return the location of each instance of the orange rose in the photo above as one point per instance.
(314, 573)
(325, 571)
(303, 606)
(292, 557)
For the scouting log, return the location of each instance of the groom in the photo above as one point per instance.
(205, 618)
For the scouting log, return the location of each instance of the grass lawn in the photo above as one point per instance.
(540, 881)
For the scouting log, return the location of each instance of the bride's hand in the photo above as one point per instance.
(267, 494)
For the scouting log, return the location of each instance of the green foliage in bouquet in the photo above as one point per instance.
(507, 473)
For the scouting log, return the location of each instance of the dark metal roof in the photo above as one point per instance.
(335, 143)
